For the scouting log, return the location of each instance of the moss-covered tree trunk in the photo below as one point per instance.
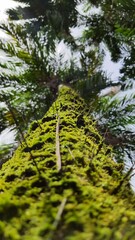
(62, 182)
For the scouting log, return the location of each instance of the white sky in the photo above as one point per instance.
(110, 67)
(7, 136)
(5, 4)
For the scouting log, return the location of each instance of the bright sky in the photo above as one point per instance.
(4, 5)
(111, 68)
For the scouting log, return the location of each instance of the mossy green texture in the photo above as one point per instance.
(88, 199)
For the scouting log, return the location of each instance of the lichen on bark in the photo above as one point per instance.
(87, 198)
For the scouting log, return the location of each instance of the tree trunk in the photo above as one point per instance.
(62, 182)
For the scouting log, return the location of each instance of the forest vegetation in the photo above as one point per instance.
(73, 166)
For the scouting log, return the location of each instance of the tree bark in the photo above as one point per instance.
(62, 182)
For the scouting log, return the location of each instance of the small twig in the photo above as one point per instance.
(58, 156)
(59, 213)
(70, 152)
(58, 217)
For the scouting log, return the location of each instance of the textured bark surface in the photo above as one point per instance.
(62, 182)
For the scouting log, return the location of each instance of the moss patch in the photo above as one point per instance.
(88, 199)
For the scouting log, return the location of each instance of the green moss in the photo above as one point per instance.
(99, 202)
